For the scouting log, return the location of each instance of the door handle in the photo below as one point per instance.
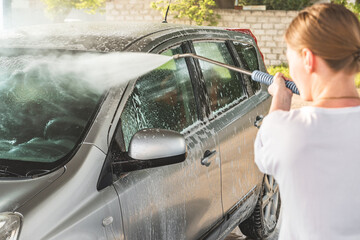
(207, 155)
(258, 120)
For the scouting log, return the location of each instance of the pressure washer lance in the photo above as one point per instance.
(256, 75)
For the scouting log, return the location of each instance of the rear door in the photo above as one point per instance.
(233, 110)
(181, 201)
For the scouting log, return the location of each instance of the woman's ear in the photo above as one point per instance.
(308, 60)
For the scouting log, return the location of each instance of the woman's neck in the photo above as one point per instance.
(335, 91)
(337, 102)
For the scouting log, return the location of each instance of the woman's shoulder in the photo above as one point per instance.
(310, 117)
(280, 116)
(296, 121)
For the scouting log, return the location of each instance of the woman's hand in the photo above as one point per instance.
(281, 94)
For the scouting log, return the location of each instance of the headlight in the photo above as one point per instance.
(10, 224)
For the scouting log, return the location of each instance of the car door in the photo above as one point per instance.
(232, 115)
(181, 201)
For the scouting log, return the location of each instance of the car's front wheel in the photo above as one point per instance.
(263, 220)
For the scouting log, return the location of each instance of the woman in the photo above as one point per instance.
(313, 152)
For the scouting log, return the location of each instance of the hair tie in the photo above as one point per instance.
(357, 55)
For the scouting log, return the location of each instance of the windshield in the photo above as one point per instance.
(45, 107)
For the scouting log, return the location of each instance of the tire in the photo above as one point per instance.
(263, 220)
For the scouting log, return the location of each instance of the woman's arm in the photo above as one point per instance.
(281, 94)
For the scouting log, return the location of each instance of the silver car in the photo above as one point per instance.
(168, 155)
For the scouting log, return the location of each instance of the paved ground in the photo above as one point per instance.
(237, 235)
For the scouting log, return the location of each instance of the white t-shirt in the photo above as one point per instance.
(314, 154)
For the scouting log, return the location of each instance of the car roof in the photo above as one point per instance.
(89, 36)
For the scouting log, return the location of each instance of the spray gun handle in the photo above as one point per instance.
(267, 79)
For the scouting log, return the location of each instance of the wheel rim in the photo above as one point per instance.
(270, 201)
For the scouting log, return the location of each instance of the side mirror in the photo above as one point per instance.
(153, 148)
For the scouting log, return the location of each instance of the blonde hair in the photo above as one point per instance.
(331, 32)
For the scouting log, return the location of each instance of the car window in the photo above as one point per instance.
(248, 57)
(223, 86)
(164, 98)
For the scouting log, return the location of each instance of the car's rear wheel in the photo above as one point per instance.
(263, 220)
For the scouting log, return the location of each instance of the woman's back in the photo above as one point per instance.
(314, 155)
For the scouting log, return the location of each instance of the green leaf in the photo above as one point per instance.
(199, 11)
(57, 8)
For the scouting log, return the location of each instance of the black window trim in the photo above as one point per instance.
(201, 86)
(186, 48)
(246, 80)
(197, 81)
(236, 58)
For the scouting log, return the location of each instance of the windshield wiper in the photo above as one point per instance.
(37, 172)
(4, 172)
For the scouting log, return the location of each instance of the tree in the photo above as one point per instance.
(59, 9)
(199, 11)
(354, 7)
(287, 4)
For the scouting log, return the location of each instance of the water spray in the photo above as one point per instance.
(118, 68)
(256, 75)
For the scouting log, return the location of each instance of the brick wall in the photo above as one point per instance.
(267, 26)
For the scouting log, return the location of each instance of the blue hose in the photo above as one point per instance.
(267, 79)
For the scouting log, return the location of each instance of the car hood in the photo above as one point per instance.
(16, 192)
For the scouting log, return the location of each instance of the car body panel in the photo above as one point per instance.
(174, 36)
(23, 189)
(181, 201)
(241, 211)
(98, 134)
(237, 151)
(79, 36)
(72, 208)
(198, 187)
